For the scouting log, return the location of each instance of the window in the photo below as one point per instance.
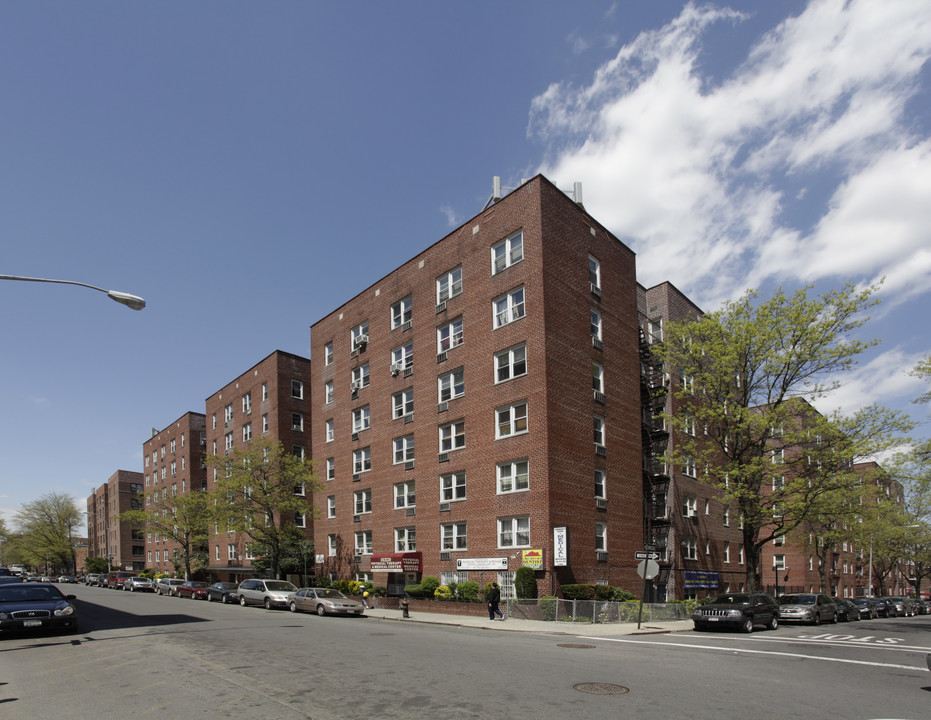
(594, 272)
(688, 465)
(328, 392)
(401, 312)
(264, 391)
(402, 357)
(300, 520)
(265, 423)
(453, 536)
(688, 424)
(689, 506)
(507, 252)
(331, 506)
(453, 487)
(452, 436)
(727, 517)
(451, 385)
(598, 381)
(513, 476)
(727, 552)
(405, 539)
(403, 449)
(687, 383)
(363, 542)
(508, 307)
(511, 420)
(740, 554)
(514, 531)
(778, 457)
(360, 419)
(779, 562)
(511, 363)
(361, 460)
(599, 430)
(596, 324)
(655, 330)
(360, 335)
(779, 540)
(362, 502)
(600, 484)
(402, 403)
(779, 483)
(689, 548)
(231, 552)
(328, 354)
(331, 468)
(297, 389)
(246, 437)
(329, 430)
(297, 422)
(246, 405)
(331, 545)
(404, 496)
(449, 285)
(601, 537)
(360, 376)
(227, 416)
(229, 446)
(449, 336)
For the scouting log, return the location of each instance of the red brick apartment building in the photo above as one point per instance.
(173, 463)
(478, 408)
(108, 536)
(270, 400)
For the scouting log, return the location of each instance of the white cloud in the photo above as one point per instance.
(709, 180)
(451, 216)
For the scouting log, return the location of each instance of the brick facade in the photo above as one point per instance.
(107, 534)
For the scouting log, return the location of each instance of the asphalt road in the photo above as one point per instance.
(142, 656)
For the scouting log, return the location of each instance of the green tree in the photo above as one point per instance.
(97, 565)
(183, 518)
(262, 490)
(46, 527)
(744, 425)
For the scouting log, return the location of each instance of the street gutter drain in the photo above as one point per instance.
(575, 645)
(601, 688)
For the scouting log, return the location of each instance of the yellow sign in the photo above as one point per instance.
(532, 559)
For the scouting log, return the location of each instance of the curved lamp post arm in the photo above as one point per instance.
(131, 301)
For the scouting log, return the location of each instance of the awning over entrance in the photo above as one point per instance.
(411, 562)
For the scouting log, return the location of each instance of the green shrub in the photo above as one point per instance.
(586, 592)
(429, 585)
(622, 595)
(525, 583)
(548, 606)
(468, 591)
(443, 593)
(414, 590)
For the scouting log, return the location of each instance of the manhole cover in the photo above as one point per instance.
(574, 645)
(600, 688)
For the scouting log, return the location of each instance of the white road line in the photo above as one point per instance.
(759, 652)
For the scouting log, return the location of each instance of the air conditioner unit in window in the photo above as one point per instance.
(445, 556)
(601, 451)
(444, 507)
(440, 307)
(409, 465)
(411, 511)
(357, 518)
(355, 436)
(596, 291)
(441, 357)
(442, 407)
(357, 559)
(356, 385)
(406, 326)
(362, 340)
(396, 368)
(443, 457)
(409, 418)
(601, 556)
(601, 503)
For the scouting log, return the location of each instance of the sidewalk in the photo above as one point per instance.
(605, 630)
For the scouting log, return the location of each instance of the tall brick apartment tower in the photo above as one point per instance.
(173, 462)
(107, 535)
(270, 400)
(478, 408)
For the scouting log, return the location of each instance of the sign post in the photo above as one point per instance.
(647, 569)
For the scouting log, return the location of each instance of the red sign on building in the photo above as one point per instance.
(408, 562)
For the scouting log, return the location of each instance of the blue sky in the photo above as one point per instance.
(247, 167)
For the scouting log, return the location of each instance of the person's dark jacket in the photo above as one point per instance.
(494, 596)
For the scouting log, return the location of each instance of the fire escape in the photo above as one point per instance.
(655, 440)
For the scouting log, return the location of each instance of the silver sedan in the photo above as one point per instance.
(323, 601)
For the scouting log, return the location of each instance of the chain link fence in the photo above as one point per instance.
(596, 611)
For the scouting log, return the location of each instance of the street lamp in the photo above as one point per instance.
(131, 301)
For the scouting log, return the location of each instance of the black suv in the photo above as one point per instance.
(738, 610)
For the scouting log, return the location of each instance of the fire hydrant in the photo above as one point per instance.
(404, 608)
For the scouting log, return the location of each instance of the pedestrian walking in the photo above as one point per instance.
(363, 596)
(494, 597)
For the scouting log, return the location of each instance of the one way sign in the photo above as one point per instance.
(646, 555)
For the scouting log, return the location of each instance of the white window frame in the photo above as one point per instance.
(514, 532)
(689, 548)
(405, 539)
(601, 478)
(689, 506)
(507, 252)
(599, 430)
(509, 307)
(403, 449)
(331, 506)
(297, 389)
(595, 319)
(360, 375)
(601, 537)
(403, 356)
(360, 330)
(331, 545)
(449, 285)
(449, 335)
(362, 502)
(363, 542)
(402, 403)
(401, 312)
(598, 378)
(405, 495)
(361, 419)
(512, 420)
(328, 393)
(594, 271)
(513, 476)
(453, 487)
(361, 460)
(328, 354)
(452, 436)
(688, 466)
(330, 468)
(454, 536)
(451, 385)
(512, 361)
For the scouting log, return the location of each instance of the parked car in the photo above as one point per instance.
(896, 606)
(324, 601)
(4, 579)
(867, 608)
(846, 610)
(814, 608)
(923, 607)
(116, 579)
(192, 589)
(67, 579)
(139, 583)
(166, 586)
(270, 593)
(91, 579)
(741, 611)
(883, 609)
(36, 606)
(223, 591)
